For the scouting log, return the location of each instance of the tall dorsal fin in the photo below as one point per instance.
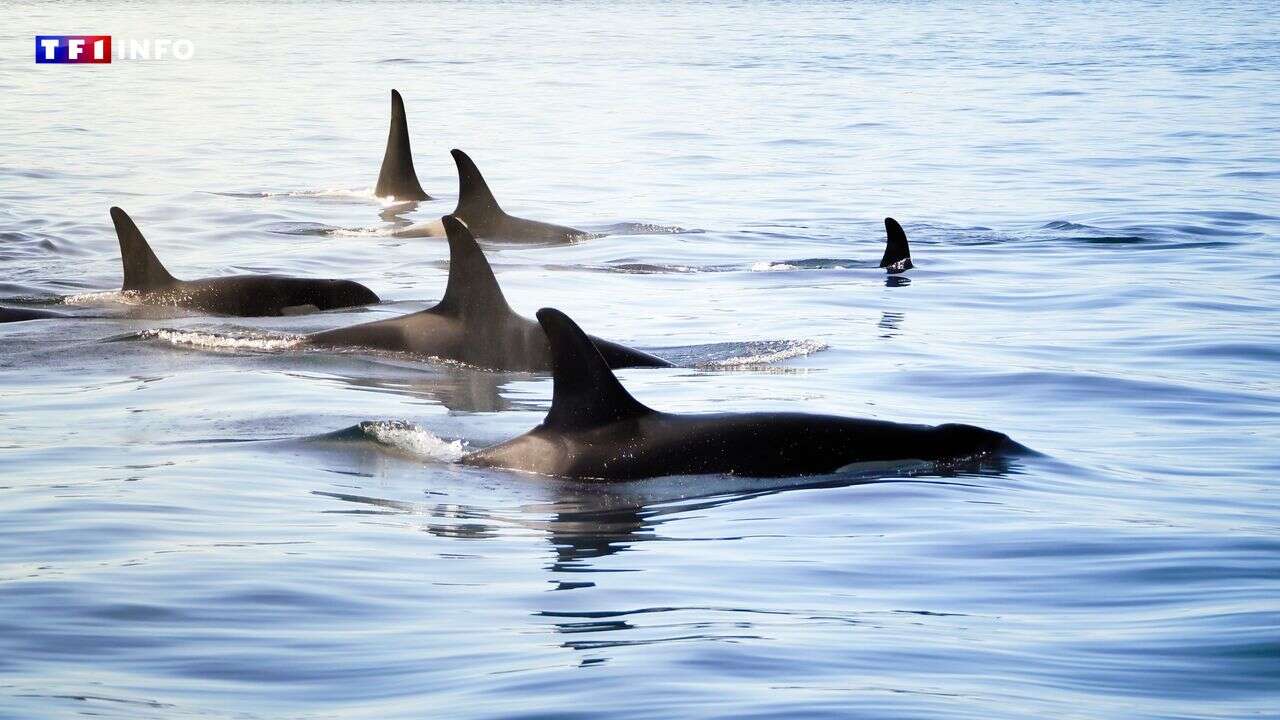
(142, 269)
(585, 392)
(897, 256)
(476, 204)
(397, 177)
(472, 288)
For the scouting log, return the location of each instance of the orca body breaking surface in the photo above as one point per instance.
(597, 430)
(239, 295)
(9, 313)
(480, 211)
(472, 324)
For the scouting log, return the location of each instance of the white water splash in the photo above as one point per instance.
(122, 297)
(214, 341)
(338, 193)
(414, 440)
(390, 202)
(771, 353)
(392, 205)
(641, 228)
(362, 232)
(766, 266)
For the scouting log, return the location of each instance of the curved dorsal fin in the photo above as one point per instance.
(897, 256)
(472, 288)
(142, 269)
(397, 177)
(476, 204)
(585, 392)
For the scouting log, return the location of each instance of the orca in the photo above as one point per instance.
(485, 219)
(472, 324)
(897, 255)
(480, 211)
(242, 295)
(397, 178)
(19, 314)
(895, 260)
(596, 430)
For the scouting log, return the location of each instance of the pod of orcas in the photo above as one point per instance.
(595, 430)
(476, 207)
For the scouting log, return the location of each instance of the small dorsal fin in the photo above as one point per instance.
(142, 269)
(397, 178)
(472, 290)
(897, 256)
(585, 393)
(476, 204)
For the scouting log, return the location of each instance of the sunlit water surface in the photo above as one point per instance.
(198, 520)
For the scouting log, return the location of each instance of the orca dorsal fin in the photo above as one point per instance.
(142, 269)
(397, 178)
(585, 391)
(476, 204)
(472, 290)
(897, 256)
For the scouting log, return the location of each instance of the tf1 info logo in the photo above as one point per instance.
(96, 49)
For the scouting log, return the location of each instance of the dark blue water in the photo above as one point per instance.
(200, 520)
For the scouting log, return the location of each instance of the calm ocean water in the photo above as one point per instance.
(199, 521)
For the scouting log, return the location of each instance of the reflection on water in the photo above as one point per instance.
(890, 322)
(457, 389)
(587, 524)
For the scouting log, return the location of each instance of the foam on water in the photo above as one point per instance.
(640, 228)
(105, 297)
(364, 194)
(224, 341)
(767, 266)
(766, 352)
(413, 440)
(758, 266)
(365, 232)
